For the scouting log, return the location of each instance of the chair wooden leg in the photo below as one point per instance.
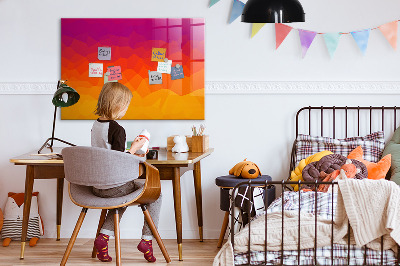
(117, 239)
(154, 230)
(223, 229)
(101, 222)
(73, 237)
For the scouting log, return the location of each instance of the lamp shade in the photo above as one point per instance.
(65, 96)
(273, 11)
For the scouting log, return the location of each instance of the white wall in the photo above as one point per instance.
(257, 126)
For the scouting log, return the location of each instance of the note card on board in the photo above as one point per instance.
(104, 53)
(106, 78)
(177, 72)
(95, 70)
(155, 77)
(115, 73)
(164, 67)
(158, 54)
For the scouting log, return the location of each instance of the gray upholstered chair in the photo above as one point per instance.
(85, 167)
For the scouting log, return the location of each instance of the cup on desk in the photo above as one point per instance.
(152, 155)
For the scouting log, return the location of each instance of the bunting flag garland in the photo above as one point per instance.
(306, 39)
(237, 9)
(281, 31)
(256, 27)
(361, 37)
(213, 2)
(389, 30)
(332, 41)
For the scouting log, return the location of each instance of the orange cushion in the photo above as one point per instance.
(375, 170)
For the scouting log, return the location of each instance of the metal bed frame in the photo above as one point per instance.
(283, 184)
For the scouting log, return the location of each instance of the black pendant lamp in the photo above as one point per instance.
(273, 11)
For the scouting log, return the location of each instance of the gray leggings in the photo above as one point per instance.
(154, 208)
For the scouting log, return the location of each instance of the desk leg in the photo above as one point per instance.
(199, 204)
(27, 206)
(60, 190)
(176, 182)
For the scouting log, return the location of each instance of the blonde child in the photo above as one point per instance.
(112, 104)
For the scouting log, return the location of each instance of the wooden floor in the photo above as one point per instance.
(50, 252)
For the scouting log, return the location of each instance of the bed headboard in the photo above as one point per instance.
(344, 121)
(346, 118)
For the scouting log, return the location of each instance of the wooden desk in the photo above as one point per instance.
(169, 165)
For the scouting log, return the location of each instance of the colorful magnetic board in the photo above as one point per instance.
(132, 42)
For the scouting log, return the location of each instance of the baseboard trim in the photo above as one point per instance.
(245, 87)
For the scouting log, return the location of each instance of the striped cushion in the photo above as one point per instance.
(13, 228)
(372, 145)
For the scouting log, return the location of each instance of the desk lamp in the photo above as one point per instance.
(273, 11)
(63, 97)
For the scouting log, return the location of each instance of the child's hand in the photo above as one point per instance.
(142, 155)
(137, 144)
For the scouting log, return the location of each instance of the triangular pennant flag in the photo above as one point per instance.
(361, 37)
(213, 2)
(281, 31)
(306, 39)
(332, 41)
(255, 28)
(237, 9)
(390, 32)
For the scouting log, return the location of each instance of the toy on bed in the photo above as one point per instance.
(245, 169)
(348, 170)
(327, 165)
(296, 174)
(13, 215)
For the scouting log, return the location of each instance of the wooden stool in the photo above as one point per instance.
(226, 183)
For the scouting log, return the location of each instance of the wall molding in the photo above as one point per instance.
(248, 87)
(28, 88)
(303, 87)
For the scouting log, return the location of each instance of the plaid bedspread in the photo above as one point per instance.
(321, 205)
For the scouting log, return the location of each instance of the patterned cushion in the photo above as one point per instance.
(372, 144)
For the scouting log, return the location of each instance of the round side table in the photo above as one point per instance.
(228, 182)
